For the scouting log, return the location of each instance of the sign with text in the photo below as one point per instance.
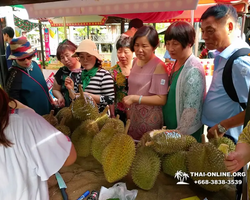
(46, 41)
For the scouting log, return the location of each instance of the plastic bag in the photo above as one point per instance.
(119, 190)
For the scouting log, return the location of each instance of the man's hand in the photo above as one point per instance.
(211, 132)
(234, 161)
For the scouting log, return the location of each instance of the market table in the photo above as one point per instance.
(87, 174)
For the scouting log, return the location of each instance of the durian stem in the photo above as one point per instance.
(117, 116)
(203, 138)
(216, 134)
(52, 113)
(81, 91)
(127, 126)
(104, 111)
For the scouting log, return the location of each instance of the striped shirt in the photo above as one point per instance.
(102, 84)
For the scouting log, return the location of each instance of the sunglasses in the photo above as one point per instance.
(28, 58)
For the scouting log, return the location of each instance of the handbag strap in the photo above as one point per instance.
(36, 82)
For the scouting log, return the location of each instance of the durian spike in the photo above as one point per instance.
(224, 149)
(117, 116)
(127, 126)
(203, 138)
(62, 122)
(216, 134)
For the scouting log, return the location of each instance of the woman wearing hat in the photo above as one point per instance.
(96, 82)
(25, 81)
(72, 68)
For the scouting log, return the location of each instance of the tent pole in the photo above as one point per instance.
(192, 17)
(3, 63)
(41, 40)
(244, 20)
(196, 44)
(64, 26)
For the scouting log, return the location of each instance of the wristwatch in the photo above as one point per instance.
(222, 129)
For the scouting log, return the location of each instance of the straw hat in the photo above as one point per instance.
(89, 47)
(20, 48)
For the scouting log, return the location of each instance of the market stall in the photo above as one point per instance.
(87, 173)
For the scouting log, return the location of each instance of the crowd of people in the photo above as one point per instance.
(139, 89)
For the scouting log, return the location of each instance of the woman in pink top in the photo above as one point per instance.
(148, 84)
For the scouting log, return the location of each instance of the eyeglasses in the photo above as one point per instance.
(28, 58)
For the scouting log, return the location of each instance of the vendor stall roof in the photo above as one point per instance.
(15, 2)
(86, 20)
(105, 7)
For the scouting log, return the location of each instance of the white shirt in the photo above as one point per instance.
(38, 151)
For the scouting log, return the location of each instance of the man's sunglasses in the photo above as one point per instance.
(28, 58)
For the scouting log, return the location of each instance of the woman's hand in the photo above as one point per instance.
(129, 100)
(61, 102)
(69, 83)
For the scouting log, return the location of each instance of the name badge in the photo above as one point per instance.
(163, 81)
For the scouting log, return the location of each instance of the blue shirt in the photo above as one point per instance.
(218, 105)
(167, 56)
(7, 54)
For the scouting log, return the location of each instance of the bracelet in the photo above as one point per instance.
(140, 99)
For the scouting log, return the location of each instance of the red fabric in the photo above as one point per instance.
(152, 17)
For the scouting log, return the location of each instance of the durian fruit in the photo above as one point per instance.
(118, 156)
(64, 112)
(173, 162)
(51, 118)
(222, 140)
(83, 109)
(101, 140)
(102, 118)
(206, 158)
(64, 129)
(82, 137)
(169, 141)
(118, 124)
(145, 168)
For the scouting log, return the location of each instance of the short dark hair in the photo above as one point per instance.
(182, 32)
(136, 23)
(149, 32)
(9, 31)
(220, 11)
(63, 46)
(124, 41)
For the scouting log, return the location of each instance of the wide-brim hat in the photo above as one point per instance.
(89, 47)
(20, 49)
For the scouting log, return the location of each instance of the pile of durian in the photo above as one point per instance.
(106, 139)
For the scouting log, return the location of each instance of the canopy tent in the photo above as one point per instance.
(107, 7)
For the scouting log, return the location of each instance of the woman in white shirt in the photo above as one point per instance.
(31, 150)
